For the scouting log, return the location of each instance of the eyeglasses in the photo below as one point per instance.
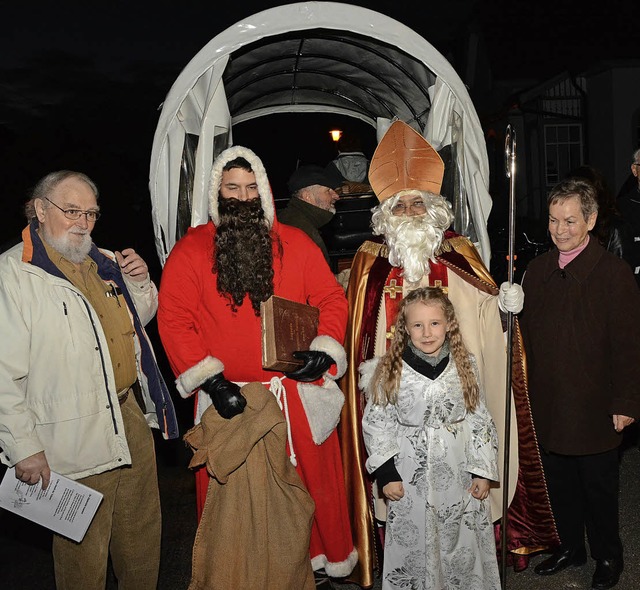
(417, 207)
(75, 214)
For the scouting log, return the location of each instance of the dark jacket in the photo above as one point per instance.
(629, 207)
(308, 218)
(580, 327)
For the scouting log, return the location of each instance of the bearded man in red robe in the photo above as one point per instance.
(212, 286)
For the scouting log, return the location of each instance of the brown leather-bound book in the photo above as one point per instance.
(287, 326)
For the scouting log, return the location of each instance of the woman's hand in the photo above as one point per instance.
(620, 422)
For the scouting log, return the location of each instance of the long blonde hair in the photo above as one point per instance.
(385, 382)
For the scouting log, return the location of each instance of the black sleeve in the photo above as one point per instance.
(386, 473)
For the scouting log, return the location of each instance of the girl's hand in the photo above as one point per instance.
(479, 488)
(394, 490)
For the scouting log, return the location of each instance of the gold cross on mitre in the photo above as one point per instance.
(392, 289)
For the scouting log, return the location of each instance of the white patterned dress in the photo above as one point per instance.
(438, 536)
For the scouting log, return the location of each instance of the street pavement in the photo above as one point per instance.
(25, 553)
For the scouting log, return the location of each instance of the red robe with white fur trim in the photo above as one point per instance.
(202, 337)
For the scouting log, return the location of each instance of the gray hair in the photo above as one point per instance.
(46, 185)
(635, 159)
(583, 190)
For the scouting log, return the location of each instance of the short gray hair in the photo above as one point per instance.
(48, 184)
(583, 190)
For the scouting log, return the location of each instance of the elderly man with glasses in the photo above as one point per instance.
(79, 385)
(419, 249)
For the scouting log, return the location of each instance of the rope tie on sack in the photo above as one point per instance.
(276, 387)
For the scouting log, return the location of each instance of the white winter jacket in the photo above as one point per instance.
(57, 387)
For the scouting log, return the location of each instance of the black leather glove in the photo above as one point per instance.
(225, 395)
(316, 363)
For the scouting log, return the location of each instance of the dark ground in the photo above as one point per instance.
(26, 564)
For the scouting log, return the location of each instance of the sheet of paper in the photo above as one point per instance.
(66, 506)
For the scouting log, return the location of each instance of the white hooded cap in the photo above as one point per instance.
(264, 188)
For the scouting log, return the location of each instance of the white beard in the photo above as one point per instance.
(412, 243)
(414, 240)
(73, 252)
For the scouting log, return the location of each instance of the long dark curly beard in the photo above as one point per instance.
(243, 256)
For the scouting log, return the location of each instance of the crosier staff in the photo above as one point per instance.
(510, 170)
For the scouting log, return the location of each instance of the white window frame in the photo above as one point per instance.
(559, 171)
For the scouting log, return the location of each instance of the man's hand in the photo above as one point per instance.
(132, 265)
(225, 395)
(394, 490)
(620, 422)
(511, 297)
(316, 363)
(34, 468)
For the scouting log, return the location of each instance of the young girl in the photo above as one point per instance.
(433, 448)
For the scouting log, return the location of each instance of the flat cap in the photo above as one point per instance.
(310, 174)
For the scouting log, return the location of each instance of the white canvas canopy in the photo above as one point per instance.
(313, 57)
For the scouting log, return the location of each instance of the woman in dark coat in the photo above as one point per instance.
(580, 323)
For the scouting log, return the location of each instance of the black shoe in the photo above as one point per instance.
(560, 560)
(323, 582)
(607, 573)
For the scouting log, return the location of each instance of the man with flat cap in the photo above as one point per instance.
(312, 203)
(418, 249)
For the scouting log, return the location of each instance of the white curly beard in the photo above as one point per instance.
(413, 240)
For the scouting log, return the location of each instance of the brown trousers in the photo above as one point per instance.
(127, 524)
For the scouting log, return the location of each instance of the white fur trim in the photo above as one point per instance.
(335, 350)
(322, 405)
(264, 188)
(339, 569)
(194, 377)
(366, 370)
